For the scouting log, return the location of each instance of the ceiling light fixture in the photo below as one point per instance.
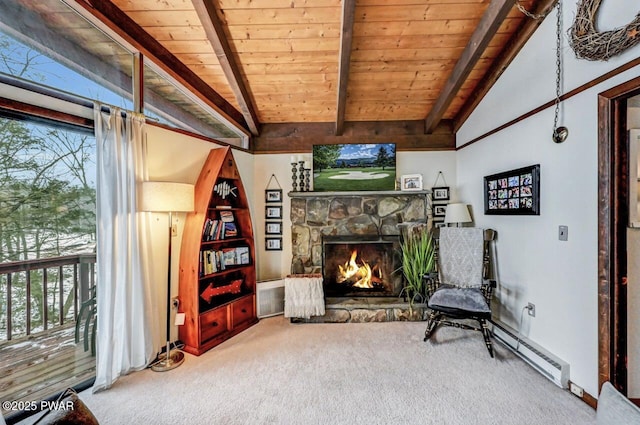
(561, 133)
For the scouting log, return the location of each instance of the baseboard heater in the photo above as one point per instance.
(270, 298)
(549, 365)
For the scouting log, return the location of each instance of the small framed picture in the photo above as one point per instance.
(440, 193)
(273, 195)
(273, 211)
(273, 228)
(273, 244)
(411, 182)
(439, 210)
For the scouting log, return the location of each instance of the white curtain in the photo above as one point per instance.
(126, 329)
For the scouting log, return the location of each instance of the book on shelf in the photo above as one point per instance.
(230, 230)
(218, 229)
(227, 216)
(229, 256)
(242, 255)
(213, 261)
(211, 229)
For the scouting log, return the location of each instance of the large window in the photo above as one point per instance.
(169, 104)
(54, 64)
(66, 51)
(47, 210)
(22, 58)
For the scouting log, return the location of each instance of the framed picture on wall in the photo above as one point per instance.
(273, 211)
(273, 244)
(273, 228)
(440, 193)
(273, 195)
(439, 210)
(515, 192)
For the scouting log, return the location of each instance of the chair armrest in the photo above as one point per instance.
(431, 283)
(491, 283)
(487, 289)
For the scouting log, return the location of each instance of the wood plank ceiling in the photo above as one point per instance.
(304, 71)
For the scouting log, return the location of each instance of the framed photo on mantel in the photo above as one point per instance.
(515, 192)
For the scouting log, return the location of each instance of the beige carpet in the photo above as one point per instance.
(370, 373)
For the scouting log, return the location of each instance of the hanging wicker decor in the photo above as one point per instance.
(588, 43)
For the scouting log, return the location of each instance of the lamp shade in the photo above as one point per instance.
(457, 213)
(166, 197)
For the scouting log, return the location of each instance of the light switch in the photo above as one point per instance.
(563, 233)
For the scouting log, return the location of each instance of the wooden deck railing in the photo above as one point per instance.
(37, 295)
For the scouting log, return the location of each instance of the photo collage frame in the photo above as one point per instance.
(515, 192)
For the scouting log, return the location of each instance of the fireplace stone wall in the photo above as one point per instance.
(314, 214)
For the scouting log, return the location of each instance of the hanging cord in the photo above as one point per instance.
(520, 328)
(273, 176)
(444, 182)
(558, 62)
(561, 133)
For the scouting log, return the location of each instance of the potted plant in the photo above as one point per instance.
(417, 260)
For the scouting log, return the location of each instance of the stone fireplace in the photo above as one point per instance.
(318, 216)
(371, 223)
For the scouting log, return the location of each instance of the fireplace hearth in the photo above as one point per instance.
(361, 266)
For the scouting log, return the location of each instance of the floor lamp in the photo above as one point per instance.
(168, 197)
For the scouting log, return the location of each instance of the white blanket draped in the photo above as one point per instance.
(303, 296)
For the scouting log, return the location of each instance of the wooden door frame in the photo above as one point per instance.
(612, 226)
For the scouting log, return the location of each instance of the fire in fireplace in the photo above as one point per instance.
(361, 266)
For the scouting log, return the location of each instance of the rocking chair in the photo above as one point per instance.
(460, 288)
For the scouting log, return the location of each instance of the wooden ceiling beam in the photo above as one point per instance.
(117, 21)
(484, 32)
(215, 33)
(300, 137)
(346, 40)
(519, 38)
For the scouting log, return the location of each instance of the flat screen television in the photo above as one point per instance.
(352, 167)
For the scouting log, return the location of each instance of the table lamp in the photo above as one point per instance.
(457, 213)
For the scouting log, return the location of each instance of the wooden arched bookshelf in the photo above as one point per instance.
(217, 259)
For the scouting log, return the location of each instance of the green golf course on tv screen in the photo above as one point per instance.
(363, 166)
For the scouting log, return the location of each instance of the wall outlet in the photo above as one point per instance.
(576, 390)
(531, 309)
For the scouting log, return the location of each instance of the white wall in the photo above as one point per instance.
(560, 278)
(277, 264)
(179, 158)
